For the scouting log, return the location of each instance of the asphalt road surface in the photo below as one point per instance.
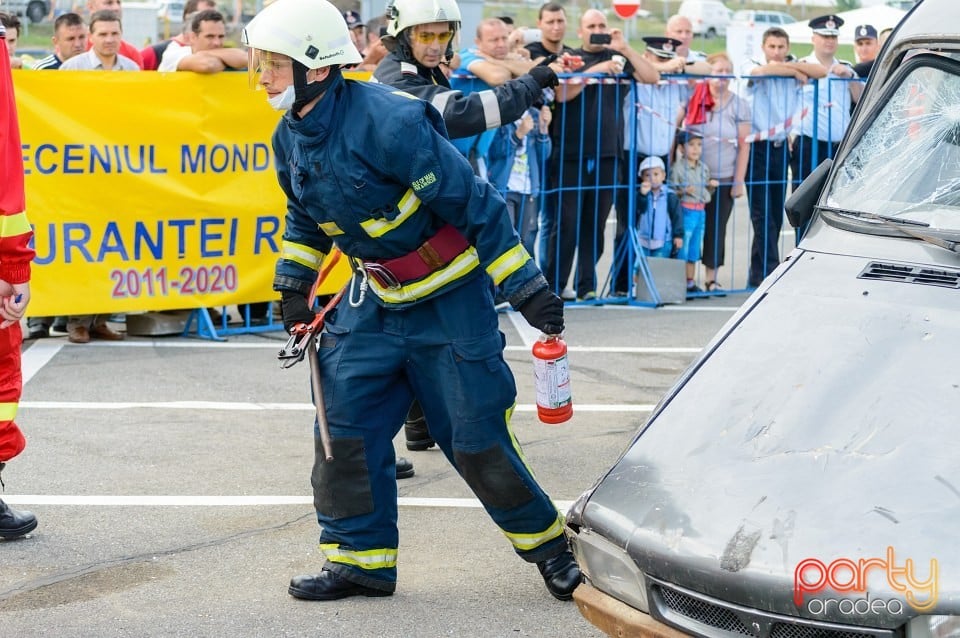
(171, 480)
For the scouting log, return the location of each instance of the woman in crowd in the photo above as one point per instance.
(723, 119)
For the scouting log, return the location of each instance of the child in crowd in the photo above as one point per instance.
(690, 178)
(659, 222)
(517, 155)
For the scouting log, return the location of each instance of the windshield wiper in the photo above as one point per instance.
(862, 214)
(901, 224)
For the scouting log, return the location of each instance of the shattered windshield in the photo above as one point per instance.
(908, 161)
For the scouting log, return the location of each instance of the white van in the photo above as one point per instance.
(709, 17)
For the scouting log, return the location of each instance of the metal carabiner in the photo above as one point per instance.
(358, 269)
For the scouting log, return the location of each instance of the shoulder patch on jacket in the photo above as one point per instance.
(407, 68)
(423, 182)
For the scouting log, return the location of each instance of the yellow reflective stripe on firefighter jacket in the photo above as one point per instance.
(388, 181)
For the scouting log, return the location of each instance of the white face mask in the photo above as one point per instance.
(284, 100)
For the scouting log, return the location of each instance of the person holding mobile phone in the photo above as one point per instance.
(588, 138)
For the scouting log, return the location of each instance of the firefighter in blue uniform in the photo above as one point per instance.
(369, 169)
(420, 36)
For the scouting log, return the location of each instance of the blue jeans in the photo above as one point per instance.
(694, 222)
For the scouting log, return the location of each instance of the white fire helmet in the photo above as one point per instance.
(402, 14)
(312, 32)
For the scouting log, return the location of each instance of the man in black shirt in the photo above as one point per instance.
(587, 136)
(866, 43)
(552, 22)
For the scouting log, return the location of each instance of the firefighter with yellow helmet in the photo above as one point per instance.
(369, 169)
(421, 36)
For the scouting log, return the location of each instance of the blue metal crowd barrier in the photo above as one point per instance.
(584, 175)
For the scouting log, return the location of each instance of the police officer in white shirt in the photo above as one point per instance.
(826, 103)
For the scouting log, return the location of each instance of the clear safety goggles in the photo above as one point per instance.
(260, 63)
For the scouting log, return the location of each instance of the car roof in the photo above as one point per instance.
(930, 24)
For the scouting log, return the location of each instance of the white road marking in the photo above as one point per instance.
(37, 356)
(528, 334)
(224, 501)
(255, 407)
(524, 348)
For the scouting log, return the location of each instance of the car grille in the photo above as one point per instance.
(784, 630)
(708, 617)
(911, 274)
(703, 612)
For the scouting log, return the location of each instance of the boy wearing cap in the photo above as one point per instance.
(834, 100)
(866, 45)
(690, 178)
(659, 221)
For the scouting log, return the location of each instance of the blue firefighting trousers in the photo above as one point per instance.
(448, 353)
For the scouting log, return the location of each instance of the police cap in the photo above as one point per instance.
(828, 25)
(865, 32)
(352, 19)
(662, 47)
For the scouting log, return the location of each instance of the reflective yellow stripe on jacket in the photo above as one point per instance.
(301, 254)
(407, 206)
(460, 266)
(384, 558)
(13, 225)
(526, 542)
(330, 229)
(508, 263)
(8, 411)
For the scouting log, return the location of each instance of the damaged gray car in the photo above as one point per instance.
(800, 479)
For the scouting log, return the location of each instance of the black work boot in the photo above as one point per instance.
(415, 429)
(561, 575)
(15, 523)
(328, 585)
(404, 468)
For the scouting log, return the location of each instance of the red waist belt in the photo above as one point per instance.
(693, 205)
(432, 255)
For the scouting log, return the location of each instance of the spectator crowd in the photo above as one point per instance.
(660, 135)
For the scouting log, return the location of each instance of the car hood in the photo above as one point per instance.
(822, 425)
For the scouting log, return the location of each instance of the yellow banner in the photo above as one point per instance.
(150, 191)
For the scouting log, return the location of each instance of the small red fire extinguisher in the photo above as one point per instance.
(552, 374)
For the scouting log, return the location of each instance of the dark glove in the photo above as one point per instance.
(294, 308)
(544, 311)
(544, 76)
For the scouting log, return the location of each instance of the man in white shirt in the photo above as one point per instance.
(205, 53)
(774, 89)
(106, 33)
(834, 96)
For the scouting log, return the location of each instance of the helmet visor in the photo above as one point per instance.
(260, 63)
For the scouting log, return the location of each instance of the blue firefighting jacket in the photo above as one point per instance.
(370, 169)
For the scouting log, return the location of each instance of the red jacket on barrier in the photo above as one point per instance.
(15, 256)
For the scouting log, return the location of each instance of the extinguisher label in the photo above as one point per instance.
(553, 382)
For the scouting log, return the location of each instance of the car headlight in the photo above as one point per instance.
(610, 569)
(934, 627)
